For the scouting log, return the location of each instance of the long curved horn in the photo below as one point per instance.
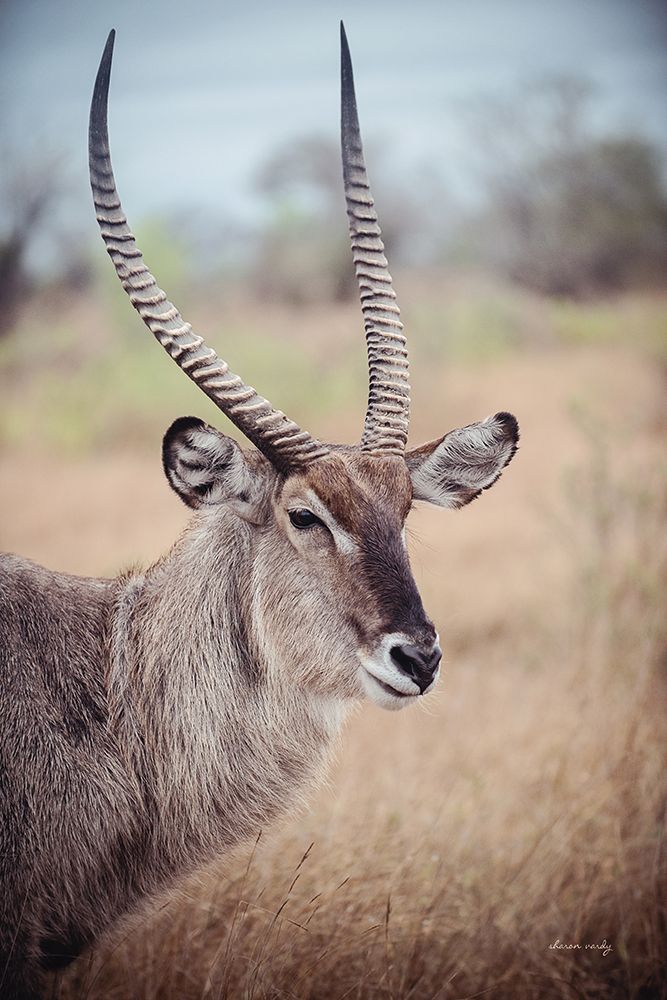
(388, 412)
(278, 437)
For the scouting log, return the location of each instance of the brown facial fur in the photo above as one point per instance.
(350, 483)
(369, 497)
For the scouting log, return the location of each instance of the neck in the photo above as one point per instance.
(218, 742)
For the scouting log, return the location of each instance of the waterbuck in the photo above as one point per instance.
(151, 722)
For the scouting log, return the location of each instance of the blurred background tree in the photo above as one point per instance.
(39, 245)
(568, 212)
(29, 191)
(303, 251)
(554, 205)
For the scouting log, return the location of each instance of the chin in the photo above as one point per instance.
(385, 695)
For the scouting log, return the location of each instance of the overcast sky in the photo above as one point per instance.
(203, 91)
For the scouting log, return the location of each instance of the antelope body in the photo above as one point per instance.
(151, 722)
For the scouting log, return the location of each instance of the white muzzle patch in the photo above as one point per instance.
(383, 681)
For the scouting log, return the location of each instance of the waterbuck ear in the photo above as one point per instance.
(453, 470)
(204, 466)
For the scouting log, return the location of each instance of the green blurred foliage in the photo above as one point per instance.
(95, 380)
(572, 217)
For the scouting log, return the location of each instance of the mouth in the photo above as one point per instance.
(389, 689)
(384, 694)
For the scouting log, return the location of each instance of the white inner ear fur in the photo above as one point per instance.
(465, 462)
(207, 458)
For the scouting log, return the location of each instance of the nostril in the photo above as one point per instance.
(407, 658)
(419, 667)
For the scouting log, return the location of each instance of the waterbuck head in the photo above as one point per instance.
(335, 608)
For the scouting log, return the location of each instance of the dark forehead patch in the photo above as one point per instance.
(387, 478)
(351, 483)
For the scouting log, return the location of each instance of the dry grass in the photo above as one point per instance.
(524, 804)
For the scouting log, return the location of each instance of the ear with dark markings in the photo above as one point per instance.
(203, 466)
(453, 470)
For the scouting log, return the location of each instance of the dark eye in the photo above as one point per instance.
(302, 518)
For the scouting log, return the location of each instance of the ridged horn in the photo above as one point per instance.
(279, 438)
(388, 412)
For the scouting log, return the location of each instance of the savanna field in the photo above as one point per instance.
(506, 838)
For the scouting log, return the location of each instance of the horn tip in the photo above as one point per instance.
(105, 62)
(343, 40)
(108, 48)
(97, 127)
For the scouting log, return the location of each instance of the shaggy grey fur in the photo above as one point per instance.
(151, 722)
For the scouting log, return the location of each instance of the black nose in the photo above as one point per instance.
(417, 664)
